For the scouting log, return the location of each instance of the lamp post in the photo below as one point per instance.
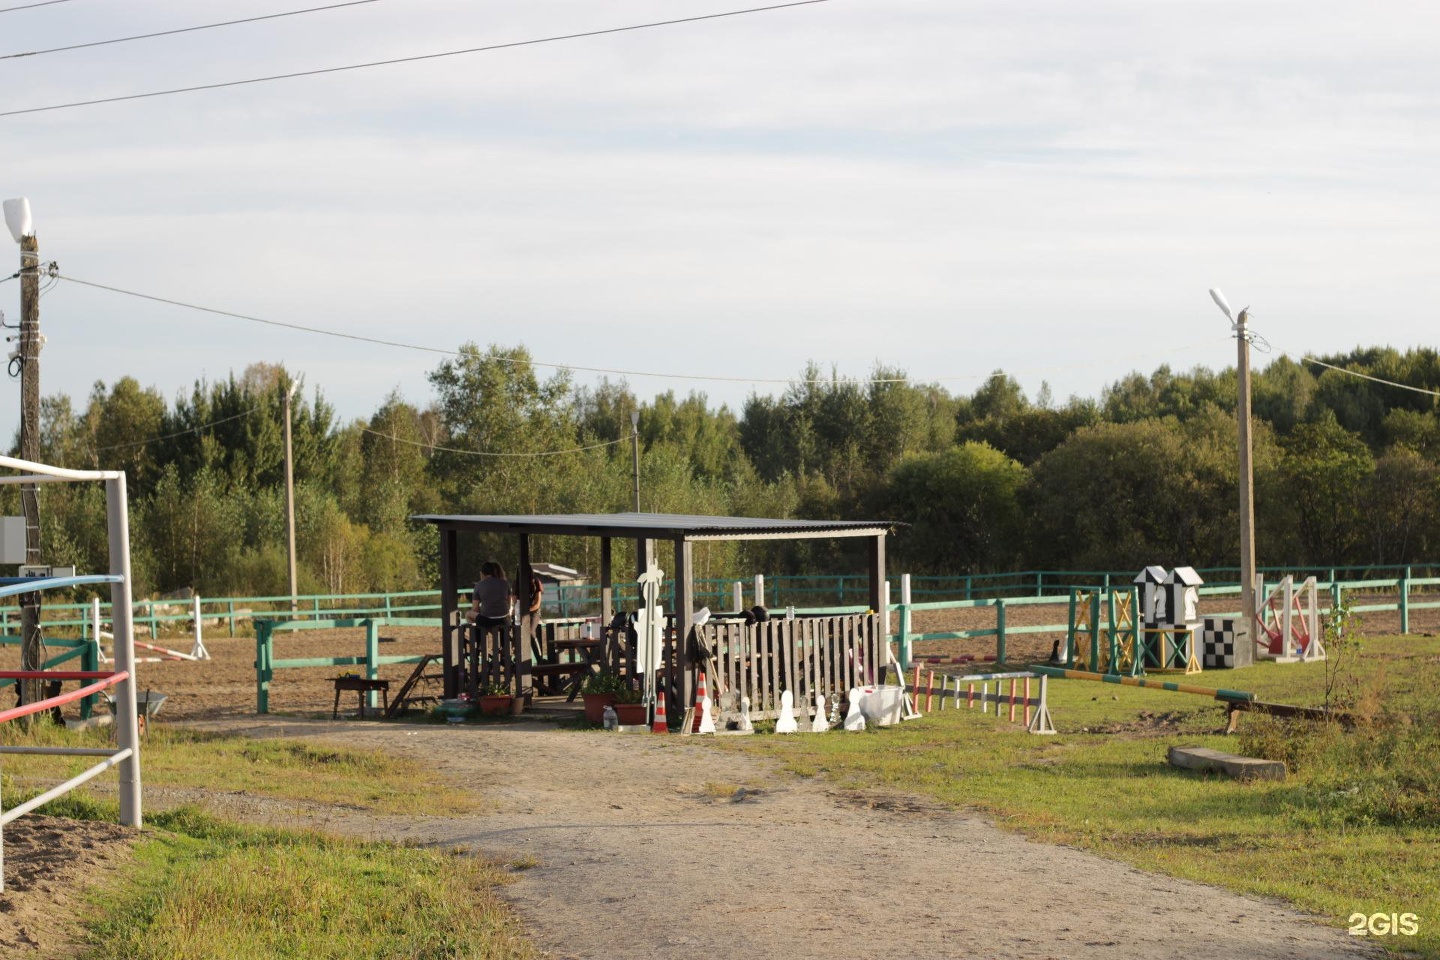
(1240, 324)
(290, 497)
(22, 228)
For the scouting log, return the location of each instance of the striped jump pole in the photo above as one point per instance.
(1063, 674)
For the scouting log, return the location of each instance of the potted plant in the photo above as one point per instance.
(629, 711)
(600, 691)
(495, 700)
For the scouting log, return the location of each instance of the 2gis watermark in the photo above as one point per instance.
(1383, 924)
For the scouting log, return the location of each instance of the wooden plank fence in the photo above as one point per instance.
(808, 655)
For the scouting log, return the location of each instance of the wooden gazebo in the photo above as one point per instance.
(825, 654)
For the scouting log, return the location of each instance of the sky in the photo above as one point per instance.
(949, 188)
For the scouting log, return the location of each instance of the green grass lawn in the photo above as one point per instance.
(281, 769)
(1353, 830)
(204, 889)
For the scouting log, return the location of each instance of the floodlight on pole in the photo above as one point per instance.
(17, 218)
(1240, 323)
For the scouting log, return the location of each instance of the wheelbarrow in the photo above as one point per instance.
(147, 705)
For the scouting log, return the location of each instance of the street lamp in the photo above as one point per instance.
(17, 218)
(1240, 324)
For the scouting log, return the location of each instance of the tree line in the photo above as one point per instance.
(1347, 471)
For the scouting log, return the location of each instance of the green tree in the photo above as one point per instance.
(962, 508)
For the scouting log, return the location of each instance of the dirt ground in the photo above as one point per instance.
(654, 845)
(650, 846)
(48, 862)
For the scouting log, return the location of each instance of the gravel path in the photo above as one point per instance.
(665, 846)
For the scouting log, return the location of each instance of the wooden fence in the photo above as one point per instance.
(808, 655)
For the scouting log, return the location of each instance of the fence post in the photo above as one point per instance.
(905, 621)
(1070, 633)
(968, 584)
(1039, 583)
(230, 608)
(372, 659)
(263, 659)
(737, 590)
(89, 660)
(759, 589)
(1405, 601)
(1000, 631)
(1094, 635)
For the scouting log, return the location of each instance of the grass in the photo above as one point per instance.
(281, 769)
(204, 889)
(1319, 839)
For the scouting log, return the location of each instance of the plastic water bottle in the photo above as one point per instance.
(611, 720)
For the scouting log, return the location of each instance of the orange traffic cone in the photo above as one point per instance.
(700, 695)
(661, 725)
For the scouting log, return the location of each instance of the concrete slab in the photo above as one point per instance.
(1241, 768)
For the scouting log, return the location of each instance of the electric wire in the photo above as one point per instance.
(486, 453)
(413, 59)
(31, 6)
(616, 371)
(171, 436)
(1365, 376)
(168, 33)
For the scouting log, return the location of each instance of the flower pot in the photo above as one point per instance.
(631, 714)
(595, 704)
(495, 704)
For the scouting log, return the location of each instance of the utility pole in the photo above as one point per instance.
(1244, 647)
(32, 643)
(644, 549)
(635, 453)
(290, 497)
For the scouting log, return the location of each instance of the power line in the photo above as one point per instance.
(484, 453)
(31, 6)
(414, 59)
(168, 33)
(615, 371)
(1366, 376)
(171, 436)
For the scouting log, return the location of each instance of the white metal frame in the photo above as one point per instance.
(1297, 620)
(127, 755)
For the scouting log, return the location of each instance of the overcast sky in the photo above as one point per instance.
(947, 187)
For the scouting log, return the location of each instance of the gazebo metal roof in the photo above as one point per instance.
(661, 526)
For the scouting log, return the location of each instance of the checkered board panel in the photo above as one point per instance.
(1217, 641)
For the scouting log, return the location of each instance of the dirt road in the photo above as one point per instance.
(665, 846)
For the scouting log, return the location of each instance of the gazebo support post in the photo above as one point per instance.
(682, 683)
(607, 584)
(877, 603)
(522, 628)
(449, 632)
(877, 575)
